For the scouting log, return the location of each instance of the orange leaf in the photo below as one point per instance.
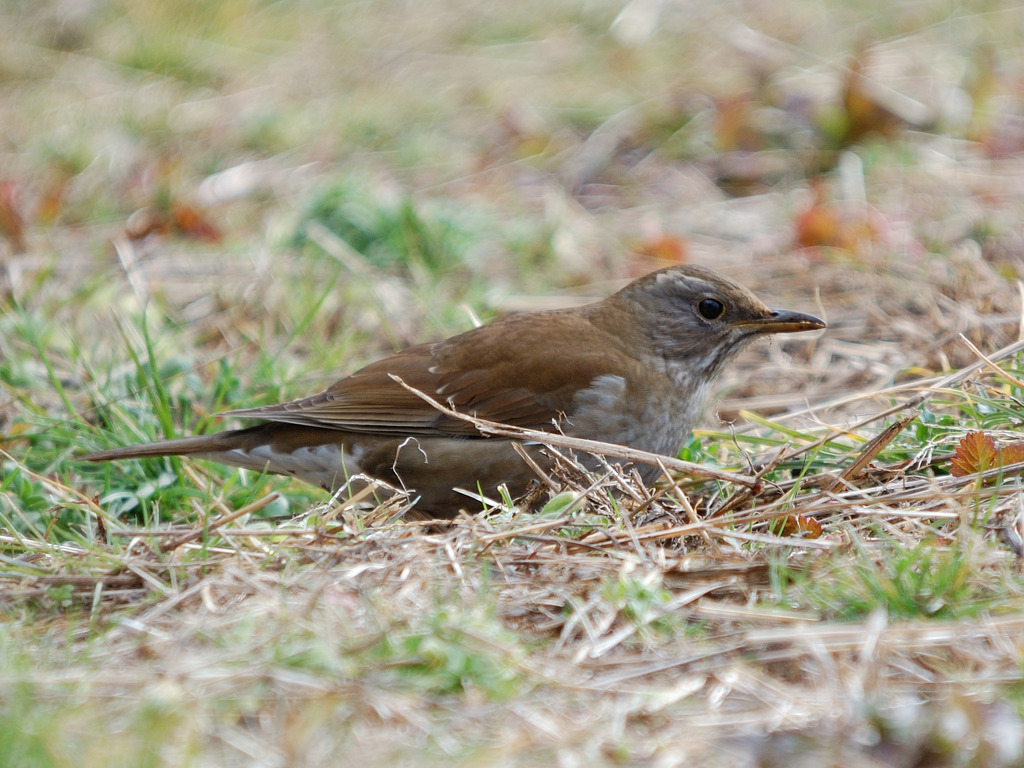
(193, 223)
(664, 248)
(976, 453)
(825, 223)
(800, 525)
(1011, 454)
(818, 226)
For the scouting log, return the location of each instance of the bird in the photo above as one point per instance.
(634, 369)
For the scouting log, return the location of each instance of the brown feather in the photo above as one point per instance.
(498, 377)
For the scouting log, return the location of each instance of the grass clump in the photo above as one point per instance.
(391, 236)
(933, 579)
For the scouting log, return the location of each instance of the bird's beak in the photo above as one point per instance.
(784, 321)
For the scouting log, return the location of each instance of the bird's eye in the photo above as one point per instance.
(710, 309)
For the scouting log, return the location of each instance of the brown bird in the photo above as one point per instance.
(633, 369)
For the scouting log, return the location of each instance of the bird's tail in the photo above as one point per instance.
(183, 446)
(317, 456)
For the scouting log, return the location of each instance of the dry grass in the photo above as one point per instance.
(368, 170)
(528, 640)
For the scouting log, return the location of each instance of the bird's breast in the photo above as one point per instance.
(653, 416)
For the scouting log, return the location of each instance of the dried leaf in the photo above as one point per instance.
(869, 107)
(183, 219)
(12, 224)
(827, 224)
(735, 126)
(191, 222)
(819, 225)
(664, 249)
(802, 526)
(51, 200)
(864, 115)
(976, 453)
(1011, 454)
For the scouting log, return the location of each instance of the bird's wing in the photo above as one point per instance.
(516, 371)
